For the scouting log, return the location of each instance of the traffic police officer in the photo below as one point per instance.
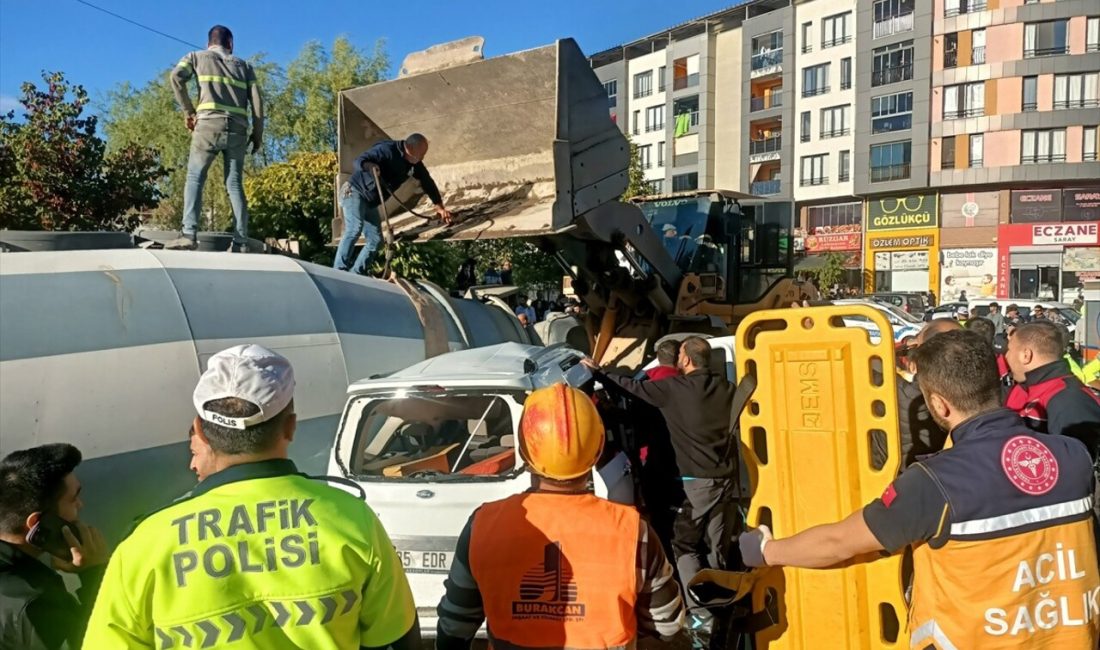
(259, 555)
(1000, 523)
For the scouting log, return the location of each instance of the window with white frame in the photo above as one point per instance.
(661, 153)
(612, 88)
(836, 30)
(1092, 34)
(977, 150)
(815, 169)
(644, 156)
(892, 112)
(656, 186)
(846, 73)
(1030, 96)
(845, 165)
(662, 78)
(804, 132)
(643, 84)
(815, 80)
(977, 47)
(1049, 38)
(637, 125)
(1043, 146)
(1076, 90)
(655, 118)
(1090, 144)
(807, 46)
(892, 63)
(835, 121)
(964, 100)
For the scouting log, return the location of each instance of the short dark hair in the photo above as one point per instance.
(219, 35)
(983, 327)
(961, 367)
(32, 480)
(415, 140)
(1012, 307)
(698, 351)
(994, 305)
(1044, 336)
(667, 351)
(255, 439)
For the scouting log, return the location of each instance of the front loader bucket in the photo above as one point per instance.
(520, 145)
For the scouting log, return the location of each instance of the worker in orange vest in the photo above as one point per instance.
(1000, 523)
(556, 566)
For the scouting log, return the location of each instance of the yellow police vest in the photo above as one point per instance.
(258, 557)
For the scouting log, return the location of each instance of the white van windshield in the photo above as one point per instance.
(436, 435)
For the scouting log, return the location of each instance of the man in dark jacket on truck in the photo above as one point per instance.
(395, 162)
(696, 405)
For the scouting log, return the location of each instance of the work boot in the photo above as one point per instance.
(238, 248)
(182, 243)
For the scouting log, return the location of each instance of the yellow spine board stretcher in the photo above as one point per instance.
(806, 438)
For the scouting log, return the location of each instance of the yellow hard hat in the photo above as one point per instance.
(560, 435)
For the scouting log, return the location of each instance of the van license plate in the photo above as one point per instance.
(425, 561)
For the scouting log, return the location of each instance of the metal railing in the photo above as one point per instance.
(647, 165)
(1088, 156)
(815, 91)
(1035, 52)
(821, 180)
(844, 177)
(774, 100)
(767, 145)
(892, 74)
(947, 163)
(961, 113)
(894, 25)
(805, 137)
(977, 55)
(764, 188)
(1092, 47)
(839, 40)
(766, 59)
(638, 94)
(951, 59)
(1029, 107)
(1035, 159)
(965, 8)
(890, 173)
(845, 84)
(807, 48)
(976, 163)
(654, 127)
(1076, 103)
(888, 123)
(835, 133)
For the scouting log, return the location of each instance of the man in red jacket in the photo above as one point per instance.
(1047, 394)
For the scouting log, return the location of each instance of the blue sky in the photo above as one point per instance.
(100, 51)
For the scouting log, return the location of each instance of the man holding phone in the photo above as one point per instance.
(39, 506)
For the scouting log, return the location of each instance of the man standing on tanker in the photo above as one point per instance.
(258, 555)
(1000, 523)
(393, 162)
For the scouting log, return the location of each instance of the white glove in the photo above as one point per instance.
(752, 545)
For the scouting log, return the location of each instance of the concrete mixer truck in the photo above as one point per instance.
(522, 145)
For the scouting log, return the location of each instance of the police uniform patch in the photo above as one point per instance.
(1029, 465)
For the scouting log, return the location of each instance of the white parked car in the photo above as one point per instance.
(905, 325)
(432, 442)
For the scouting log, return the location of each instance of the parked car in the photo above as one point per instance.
(905, 325)
(912, 302)
(980, 307)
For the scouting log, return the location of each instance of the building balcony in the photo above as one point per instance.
(685, 81)
(886, 173)
(964, 7)
(893, 25)
(774, 100)
(766, 149)
(1037, 52)
(765, 188)
(1076, 103)
(766, 63)
(963, 113)
(892, 75)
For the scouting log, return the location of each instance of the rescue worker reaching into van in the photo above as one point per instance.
(258, 555)
(556, 566)
(1000, 523)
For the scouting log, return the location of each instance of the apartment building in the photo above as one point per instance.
(1015, 108)
(948, 145)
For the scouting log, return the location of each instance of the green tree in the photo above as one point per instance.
(636, 182)
(832, 271)
(303, 109)
(294, 199)
(56, 172)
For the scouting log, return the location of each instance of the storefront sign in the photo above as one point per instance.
(1064, 233)
(969, 270)
(1081, 204)
(909, 261)
(1081, 260)
(1030, 206)
(844, 241)
(914, 241)
(895, 213)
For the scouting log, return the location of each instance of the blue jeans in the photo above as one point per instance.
(211, 137)
(359, 217)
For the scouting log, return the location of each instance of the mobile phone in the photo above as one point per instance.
(47, 535)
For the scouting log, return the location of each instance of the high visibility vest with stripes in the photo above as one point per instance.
(1019, 567)
(224, 80)
(557, 571)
